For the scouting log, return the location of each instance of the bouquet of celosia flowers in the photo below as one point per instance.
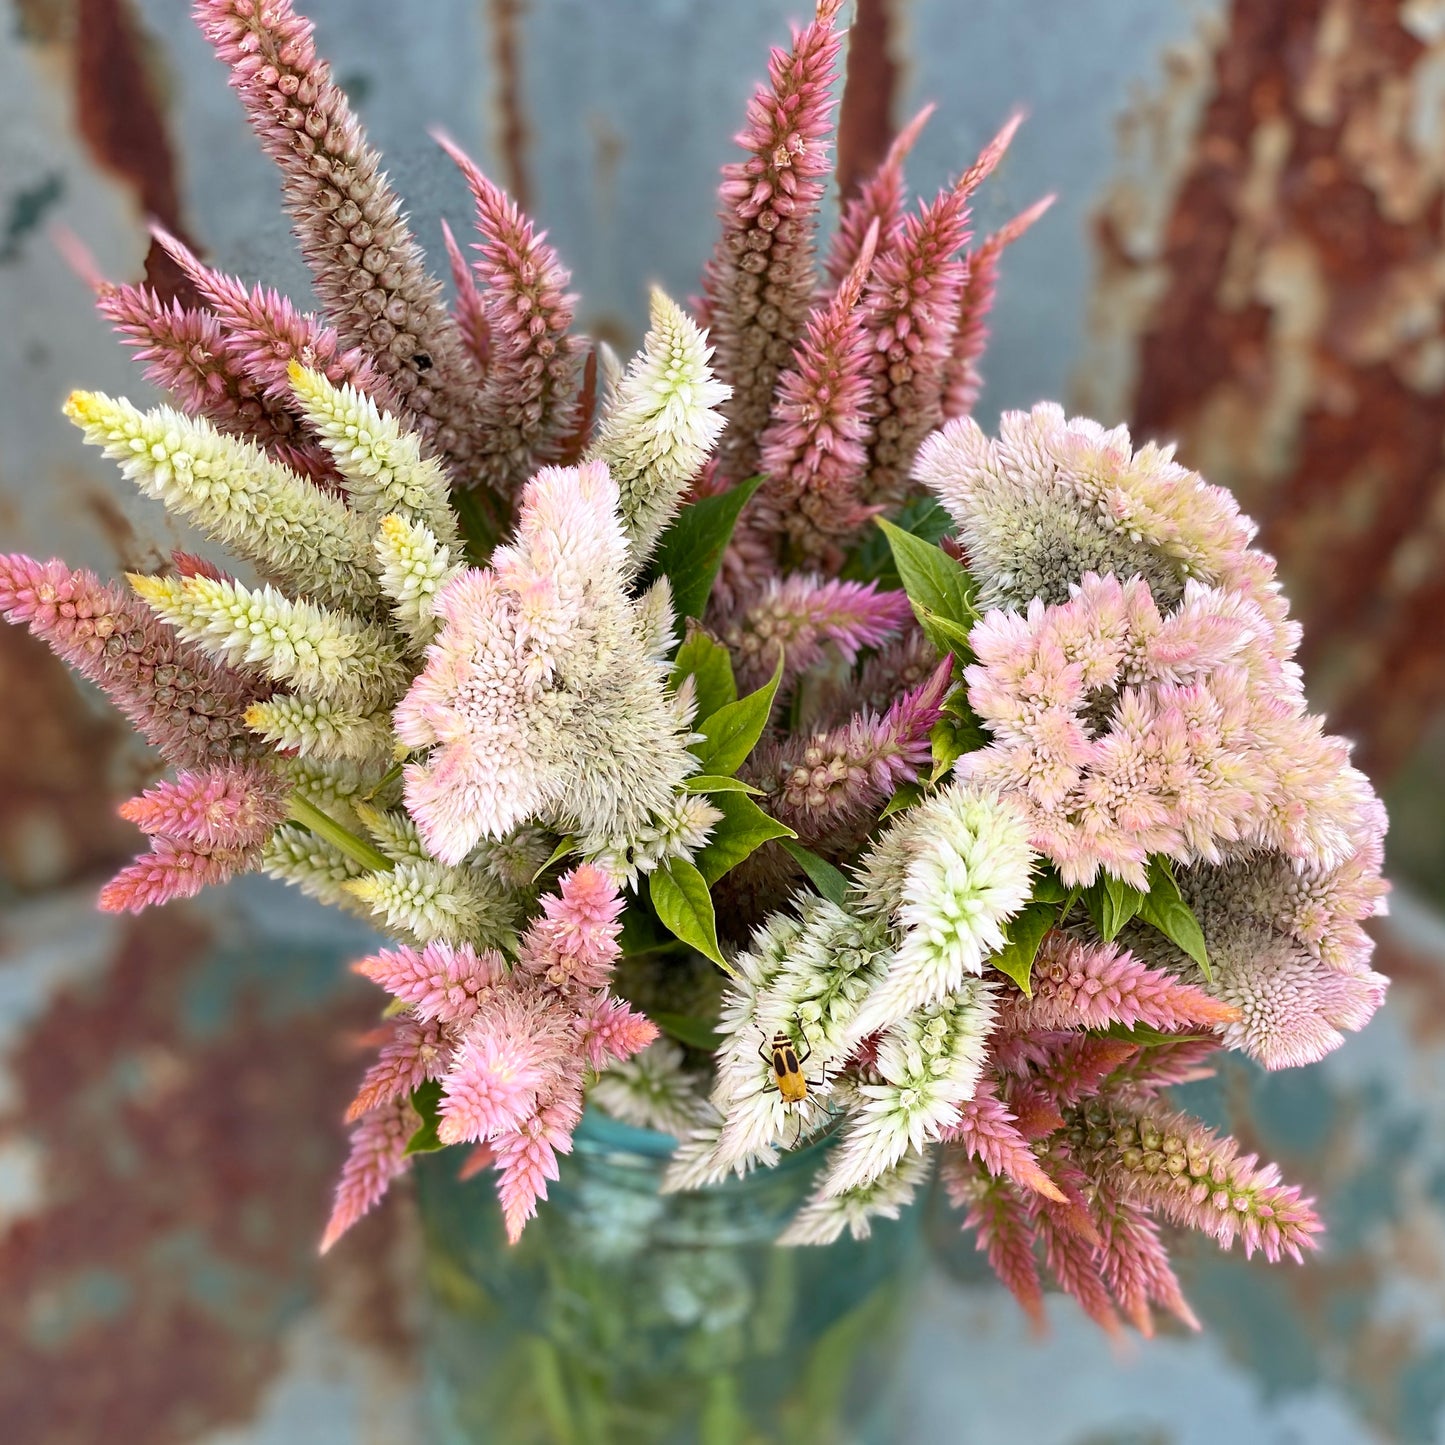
(741, 740)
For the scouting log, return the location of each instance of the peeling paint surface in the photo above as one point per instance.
(1246, 255)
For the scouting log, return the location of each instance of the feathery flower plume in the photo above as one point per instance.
(320, 730)
(368, 270)
(801, 615)
(881, 199)
(538, 696)
(1133, 1262)
(1004, 1229)
(530, 393)
(263, 332)
(429, 901)
(814, 451)
(413, 569)
(380, 462)
(948, 875)
(442, 982)
(320, 870)
(985, 1130)
(912, 304)
(661, 424)
(527, 1159)
(327, 655)
(469, 310)
(378, 1155)
(652, 1090)
(824, 1218)
(232, 490)
(231, 806)
(414, 1051)
(962, 380)
(187, 707)
(759, 283)
(173, 869)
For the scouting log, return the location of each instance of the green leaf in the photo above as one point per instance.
(953, 735)
(1111, 904)
(906, 795)
(710, 666)
(732, 732)
(742, 830)
(1164, 908)
(1025, 933)
(1049, 887)
(692, 547)
(1145, 1036)
(712, 783)
(945, 634)
(827, 879)
(679, 894)
(939, 588)
(873, 560)
(566, 846)
(426, 1100)
(695, 1033)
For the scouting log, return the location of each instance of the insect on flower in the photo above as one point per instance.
(786, 1063)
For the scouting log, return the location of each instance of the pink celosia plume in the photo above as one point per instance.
(443, 982)
(172, 870)
(414, 1051)
(378, 1155)
(469, 310)
(232, 806)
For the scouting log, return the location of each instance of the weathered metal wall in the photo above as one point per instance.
(1246, 253)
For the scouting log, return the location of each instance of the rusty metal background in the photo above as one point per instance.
(1247, 254)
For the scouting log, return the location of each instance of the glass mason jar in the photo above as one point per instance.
(630, 1317)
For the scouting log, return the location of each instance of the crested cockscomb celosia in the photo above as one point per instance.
(1120, 746)
(538, 697)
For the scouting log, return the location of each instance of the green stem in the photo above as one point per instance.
(324, 826)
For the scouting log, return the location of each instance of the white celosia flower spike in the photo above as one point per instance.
(661, 425)
(379, 460)
(949, 875)
(540, 697)
(414, 567)
(824, 1218)
(236, 493)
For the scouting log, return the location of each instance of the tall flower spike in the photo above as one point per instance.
(802, 615)
(527, 1159)
(227, 807)
(378, 1155)
(318, 869)
(814, 451)
(236, 493)
(413, 568)
(1005, 1231)
(661, 424)
(469, 310)
(985, 1130)
(1133, 1262)
(321, 730)
(912, 302)
(962, 380)
(413, 1052)
(327, 655)
(263, 332)
(442, 982)
(368, 270)
(759, 283)
(530, 394)
(824, 1218)
(380, 462)
(880, 199)
(539, 698)
(186, 706)
(431, 901)
(173, 870)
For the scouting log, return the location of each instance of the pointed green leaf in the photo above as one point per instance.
(732, 732)
(692, 547)
(1164, 908)
(1026, 932)
(695, 1033)
(939, 588)
(905, 796)
(742, 830)
(426, 1100)
(710, 666)
(566, 846)
(1111, 904)
(827, 879)
(951, 737)
(680, 896)
(711, 783)
(1049, 887)
(873, 560)
(946, 635)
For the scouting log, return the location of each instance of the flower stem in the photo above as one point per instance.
(325, 826)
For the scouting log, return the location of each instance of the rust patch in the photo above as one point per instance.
(505, 17)
(58, 761)
(865, 122)
(1287, 326)
(121, 119)
(187, 1170)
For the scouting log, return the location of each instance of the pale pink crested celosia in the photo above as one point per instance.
(1078, 984)
(1004, 1232)
(802, 615)
(1125, 733)
(186, 706)
(759, 284)
(530, 394)
(539, 697)
(230, 806)
(367, 268)
(962, 381)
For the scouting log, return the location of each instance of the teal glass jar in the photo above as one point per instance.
(630, 1317)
